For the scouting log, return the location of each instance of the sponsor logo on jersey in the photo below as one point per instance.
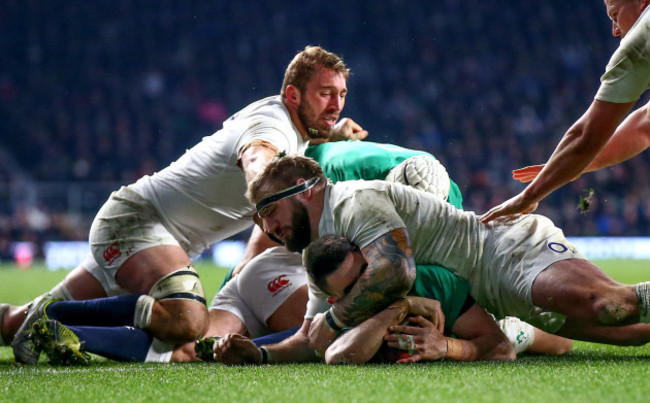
(278, 284)
(111, 253)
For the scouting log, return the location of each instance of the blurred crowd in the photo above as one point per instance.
(107, 91)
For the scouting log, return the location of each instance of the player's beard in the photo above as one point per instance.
(311, 123)
(301, 229)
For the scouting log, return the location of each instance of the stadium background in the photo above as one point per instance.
(96, 94)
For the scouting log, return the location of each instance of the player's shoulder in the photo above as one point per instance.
(271, 108)
(362, 199)
(358, 188)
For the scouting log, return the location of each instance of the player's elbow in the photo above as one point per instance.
(502, 350)
(562, 346)
(345, 356)
(348, 350)
(401, 283)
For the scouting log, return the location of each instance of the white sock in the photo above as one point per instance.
(159, 351)
(643, 297)
(143, 309)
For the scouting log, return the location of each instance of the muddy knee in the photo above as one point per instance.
(614, 310)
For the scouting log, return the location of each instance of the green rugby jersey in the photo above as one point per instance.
(436, 282)
(354, 159)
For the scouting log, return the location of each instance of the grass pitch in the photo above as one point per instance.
(590, 372)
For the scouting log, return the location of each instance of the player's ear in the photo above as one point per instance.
(293, 95)
(307, 193)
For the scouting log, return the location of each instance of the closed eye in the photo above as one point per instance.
(349, 288)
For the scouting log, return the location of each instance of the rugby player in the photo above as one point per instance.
(603, 136)
(520, 266)
(143, 237)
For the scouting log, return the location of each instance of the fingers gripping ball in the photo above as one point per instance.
(406, 349)
(422, 172)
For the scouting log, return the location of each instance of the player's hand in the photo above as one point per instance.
(527, 174)
(235, 349)
(509, 207)
(423, 342)
(347, 129)
(429, 308)
(321, 335)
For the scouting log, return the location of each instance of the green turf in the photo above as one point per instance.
(589, 373)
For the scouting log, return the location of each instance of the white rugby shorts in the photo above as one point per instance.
(517, 254)
(126, 224)
(261, 288)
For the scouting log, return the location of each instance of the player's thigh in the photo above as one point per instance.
(141, 271)
(291, 313)
(630, 335)
(572, 286)
(130, 243)
(82, 285)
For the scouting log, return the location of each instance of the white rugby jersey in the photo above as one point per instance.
(500, 259)
(439, 233)
(627, 74)
(200, 197)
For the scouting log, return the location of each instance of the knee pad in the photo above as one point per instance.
(422, 172)
(180, 284)
(520, 334)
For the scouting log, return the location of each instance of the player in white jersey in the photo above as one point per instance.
(143, 237)
(603, 136)
(334, 260)
(520, 266)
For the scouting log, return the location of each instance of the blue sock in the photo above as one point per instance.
(275, 337)
(110, 311)
(116, 343)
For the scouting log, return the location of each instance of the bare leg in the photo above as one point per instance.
(582, 292)
(173, 320)
(291, 313)
(631, 335)
(546, 343)
(598, 309)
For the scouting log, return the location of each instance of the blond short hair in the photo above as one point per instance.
(305, 62)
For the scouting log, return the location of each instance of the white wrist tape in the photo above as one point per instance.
(520, 334)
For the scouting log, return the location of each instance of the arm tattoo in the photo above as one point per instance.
(389, 276)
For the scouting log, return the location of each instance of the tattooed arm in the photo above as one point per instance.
(389, 276)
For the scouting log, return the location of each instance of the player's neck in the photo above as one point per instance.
(293, 114)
